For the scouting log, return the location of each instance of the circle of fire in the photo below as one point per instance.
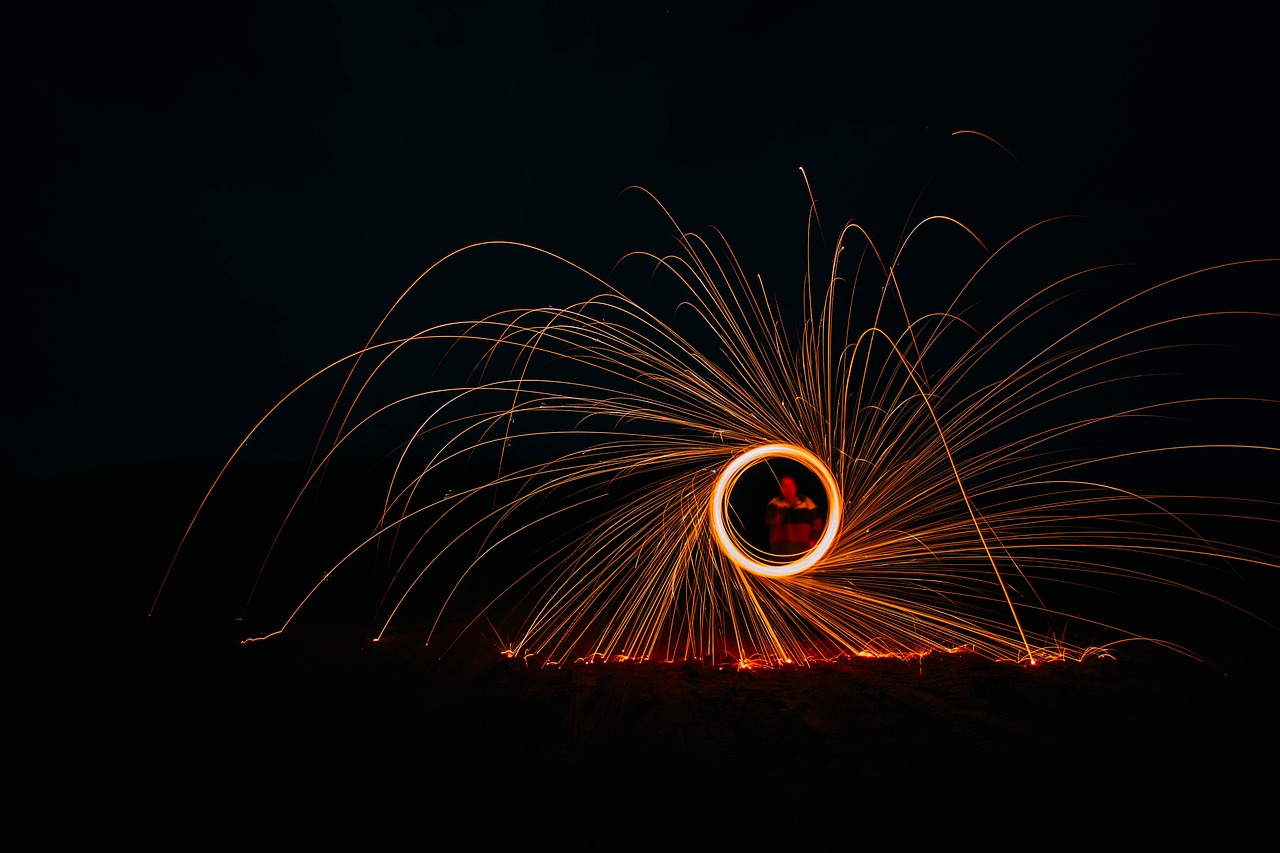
(728, 540)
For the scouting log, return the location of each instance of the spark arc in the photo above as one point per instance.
(566, 475)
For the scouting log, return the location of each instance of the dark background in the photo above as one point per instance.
(209, 202)
(213, 202)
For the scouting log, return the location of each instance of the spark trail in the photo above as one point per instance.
(971, 458)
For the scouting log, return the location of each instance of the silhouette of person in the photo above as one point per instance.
(794, 521)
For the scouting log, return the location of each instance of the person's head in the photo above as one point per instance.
(788, 487)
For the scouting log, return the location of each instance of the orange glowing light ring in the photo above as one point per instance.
(728, 541)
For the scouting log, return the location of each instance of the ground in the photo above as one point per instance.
(320, 733)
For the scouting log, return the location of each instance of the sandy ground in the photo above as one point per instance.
(322, 735)
(1148, 744)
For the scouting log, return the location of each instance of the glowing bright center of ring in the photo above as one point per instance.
(731, 543)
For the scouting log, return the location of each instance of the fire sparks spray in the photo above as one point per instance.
(965, 455)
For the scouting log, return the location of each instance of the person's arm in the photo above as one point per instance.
(815, 532)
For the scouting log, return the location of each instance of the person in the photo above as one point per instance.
(794, 521)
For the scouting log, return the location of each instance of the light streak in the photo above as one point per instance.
(953, 448)
(730, 543)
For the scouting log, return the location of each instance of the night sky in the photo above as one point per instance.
(215, 201)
